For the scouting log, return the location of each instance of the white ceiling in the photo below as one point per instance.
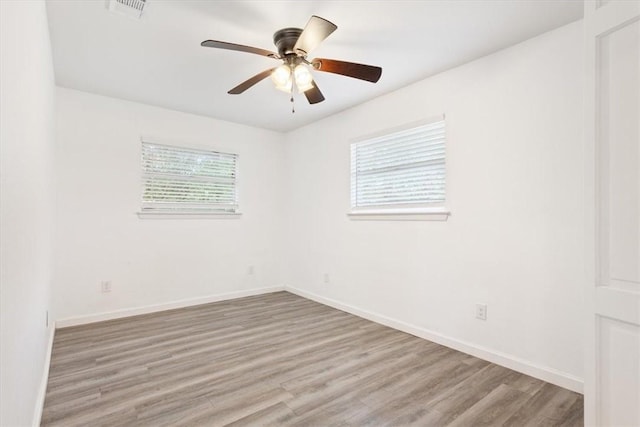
(158, 60)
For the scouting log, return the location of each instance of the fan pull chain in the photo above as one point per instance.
(293, 106)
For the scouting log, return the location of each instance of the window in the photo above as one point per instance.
(400, 172)
(178, 180)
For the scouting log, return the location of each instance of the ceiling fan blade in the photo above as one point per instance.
(250, 82)
(314, 33)
(314, 95)
(369, 73)
(238, 47)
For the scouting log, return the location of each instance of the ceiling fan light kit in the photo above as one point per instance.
(286, 75)
(294, 44)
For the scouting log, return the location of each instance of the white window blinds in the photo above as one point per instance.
(184, 180)
(400, 169)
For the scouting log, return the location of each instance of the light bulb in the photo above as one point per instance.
(281, 77)
(304, 80)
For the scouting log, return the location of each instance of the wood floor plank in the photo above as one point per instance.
(277, 414)
(494, 409)
(573, 417)
(549, 405)
(457, 399)
(279, 359)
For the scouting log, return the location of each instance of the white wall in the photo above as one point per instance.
(515, 236)
(152, 261)
(26, 208)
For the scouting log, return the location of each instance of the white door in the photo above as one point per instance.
(612, 134)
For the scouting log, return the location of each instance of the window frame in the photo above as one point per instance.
(437, 211)
(186, 213)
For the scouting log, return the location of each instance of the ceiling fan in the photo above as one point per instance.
(294, 44)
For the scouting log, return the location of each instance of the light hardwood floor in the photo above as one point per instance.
(279, 359)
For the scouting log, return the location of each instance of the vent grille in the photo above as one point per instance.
(131, 8)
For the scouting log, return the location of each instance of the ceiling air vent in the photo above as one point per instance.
(130, 8)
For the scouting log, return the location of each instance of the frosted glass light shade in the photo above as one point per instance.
(282, 78)
(303, 78)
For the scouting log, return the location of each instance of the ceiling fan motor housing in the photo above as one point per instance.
(285, 39)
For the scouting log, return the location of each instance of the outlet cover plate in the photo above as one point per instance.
(481, 311)
(105, 286)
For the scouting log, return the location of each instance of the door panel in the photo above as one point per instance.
(618, 60)
(619, 361)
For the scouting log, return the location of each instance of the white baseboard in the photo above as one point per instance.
(127, 312)
(543, 373)
(42, 390)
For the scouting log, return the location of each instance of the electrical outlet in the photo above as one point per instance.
(105, 286)
(326, 278)
(481, 311)
(251, 270)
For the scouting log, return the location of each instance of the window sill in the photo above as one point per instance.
(434, 214)
(188, 215)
